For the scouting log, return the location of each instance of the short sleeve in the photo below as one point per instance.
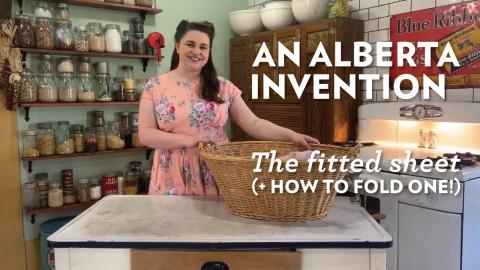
(231, 91)
(149, 87)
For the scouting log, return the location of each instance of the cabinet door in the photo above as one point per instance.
(283, 114)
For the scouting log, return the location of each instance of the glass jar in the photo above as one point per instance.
(85, 90)
(83, 190)
(91, 140)
(140, 44)
(139, 86)
(128, 45)
(130, 95)
(145, 181)
(30, 144)
(69, 196)
(63, 139)
(120, 182)
(113, 38)
(130, 184)
(66, 87)
(96, 38)
(65, 65)
(62, 12)
(81, 39)
(63, 35)
(135, 120)
(114, 139)
(98, 120)
(44, 33)
(95, 189)
(47, 89)
(45, 64)
(128, 78)
(125, 121)
(128, 2)
(135, 139)
(25, 33)
(28, 88)
(103, 88)
(42, 9)
(55, 195)
(31, 199)
(101, 135)
(78, 138)
(137, 25)
(118, 91)
(85, 66)
(45, 139)
(144, 3)
(42, 185)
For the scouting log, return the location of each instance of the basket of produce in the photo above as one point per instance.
(232, 167)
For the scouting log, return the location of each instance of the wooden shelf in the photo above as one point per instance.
(76, 104)
(33, 212)
(93, 54)
(126, 150)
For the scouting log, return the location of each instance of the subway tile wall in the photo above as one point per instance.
(376, 16)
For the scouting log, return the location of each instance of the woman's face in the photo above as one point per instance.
(193, 50)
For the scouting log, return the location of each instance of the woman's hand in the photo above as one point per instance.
(194, 141)
(303, 140)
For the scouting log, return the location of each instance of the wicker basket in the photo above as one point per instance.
(232, 167)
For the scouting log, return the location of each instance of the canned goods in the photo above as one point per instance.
(67, 178)
(109, 184)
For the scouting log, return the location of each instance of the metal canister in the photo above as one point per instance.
(67, 178)
(101, 67)
(110, 184)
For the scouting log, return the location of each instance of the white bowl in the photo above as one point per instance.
(276, 17)
(309, 10)
(245, 21)
(279, 4)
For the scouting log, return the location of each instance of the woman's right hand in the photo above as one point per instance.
(193, 141)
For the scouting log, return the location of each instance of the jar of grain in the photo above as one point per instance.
(83, 190)
(45, 64)
(114, 139)
(55, 195)
(47, 89)
(66, 87)
(30, 195)
(42, 9)
(103, 88)
(44, 33)
(113, 38)
(45, 139)
(85, 90)
(81, 39)
(78, 138)
(63, 12)
(69, 196)
(25, 33)
(63, 139)
(84, 65)
(95, 189)
(101, 138)
(30, 144)
(128, 78)
(65, 65)
(28, 88)
(130, 184)
(96, 38)
(63, 35)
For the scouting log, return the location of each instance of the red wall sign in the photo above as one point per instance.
(458, 25)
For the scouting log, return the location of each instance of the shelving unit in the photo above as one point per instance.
(33, 212)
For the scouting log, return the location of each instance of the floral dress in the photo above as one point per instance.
(180, 110)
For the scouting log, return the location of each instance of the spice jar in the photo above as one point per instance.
(66, 87)
(69, 196)
(30, 144)
(28, 88)
(85, 90)
(65, 65)
(45, 139)
(140, 44)
(130, 184)
(98, 120)
(44, 33)
(128, 45)
(30, 195)
(118, 91)
(45, 64)
(137, 25)
(95, 189)
(78, 138)
(47, 89)
(144, 3)
(96, 38)
(63, 35)
(91, 140)
(25, 33)
(84, 65)
(101, 135)
(114, 139)
(103, 88)
(55, 195)
(128, 78)
(83, 191)
(113, 38)
(42, 185)
(42, 9)
(62, 12)
(63, 139)
(81, 39)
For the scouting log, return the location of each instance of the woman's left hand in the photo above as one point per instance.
(303, 140)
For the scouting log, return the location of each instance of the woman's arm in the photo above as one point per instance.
(150, 135)
(262, 129)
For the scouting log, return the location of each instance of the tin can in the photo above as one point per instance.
(67, 178)
(109, 184)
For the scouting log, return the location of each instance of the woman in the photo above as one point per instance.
(191, 104)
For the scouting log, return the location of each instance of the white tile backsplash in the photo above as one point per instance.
(353, 5)
(370, 25)
(378, 12)
(447, 2)
(400, 7)
(384, 23)
(422, 4)
(368, 3)
(383, 2)
(360, 15)
(377, 36)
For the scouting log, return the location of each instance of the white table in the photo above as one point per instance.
(103, 236)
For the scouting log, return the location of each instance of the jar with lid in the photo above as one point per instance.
(128, 2)
(130, 184)
(65, 65)
(139, 86)
(128, 78)
(125, 127)
(44, 33)
(30, 144)
(118, 91)
(47, 89)
(114, 139)
(31, 199)
(45, 139)
(144, 3)
(135, 138)
(55, 195)
(28, 88)
(63, 35)
(78, 138)
(62, 12)
(95, 189)
(113, 38)
(84, 65)
(42, 9)
(25, 33)
(91, 140)
(96, 38)
(83, 190)
(42, 185)
(128, 43)
(63, 139)
(103, 88)
(81, 39)
(66, 87)
(98, 120)
(140, 44)
(101, 135)
(143, 188)
(69, 196)
(101, 67)
(85, 90)
(137, 25)
(45, 64)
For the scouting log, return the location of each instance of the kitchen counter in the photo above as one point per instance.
(106, 233)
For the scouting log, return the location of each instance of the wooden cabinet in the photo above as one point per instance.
(328, 120)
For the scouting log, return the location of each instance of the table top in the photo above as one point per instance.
(136, 221)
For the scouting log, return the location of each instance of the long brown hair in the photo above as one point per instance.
(210, 85)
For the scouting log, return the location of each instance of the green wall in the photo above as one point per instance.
(215, 11)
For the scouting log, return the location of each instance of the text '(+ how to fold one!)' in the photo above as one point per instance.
(364, 56)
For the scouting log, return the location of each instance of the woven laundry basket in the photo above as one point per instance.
(231, 165)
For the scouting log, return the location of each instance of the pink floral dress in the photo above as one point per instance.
(180, 110)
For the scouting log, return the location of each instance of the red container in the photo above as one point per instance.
(67, 178)
(109, 184)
